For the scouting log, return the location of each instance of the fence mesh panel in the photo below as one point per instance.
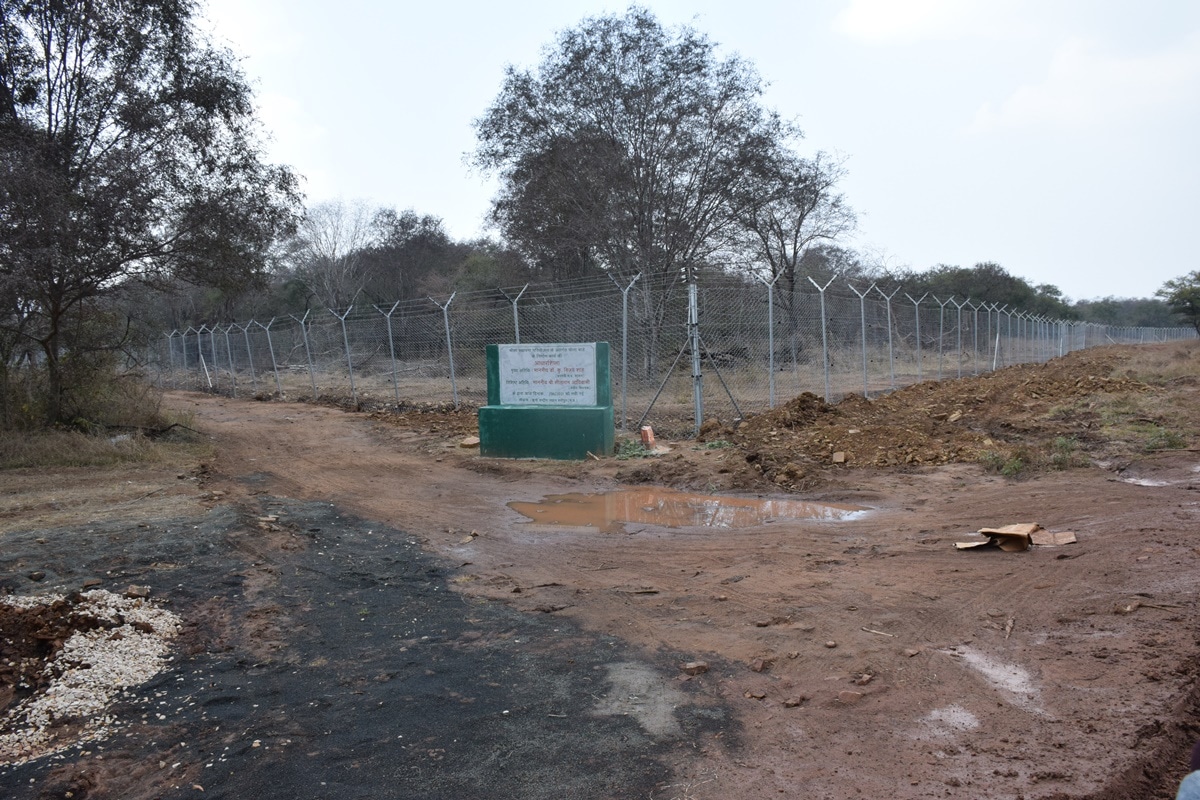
(756, 345)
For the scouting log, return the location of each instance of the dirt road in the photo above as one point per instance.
(865, 656)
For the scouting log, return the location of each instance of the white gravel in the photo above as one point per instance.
(92, 668)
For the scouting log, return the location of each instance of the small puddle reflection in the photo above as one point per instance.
(674, 509)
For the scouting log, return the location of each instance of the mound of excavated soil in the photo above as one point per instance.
(1051, 415)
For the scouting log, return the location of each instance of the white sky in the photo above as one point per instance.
(1056, 137)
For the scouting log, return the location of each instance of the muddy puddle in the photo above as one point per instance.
(669, 508)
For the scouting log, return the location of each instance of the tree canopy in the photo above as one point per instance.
(626, 149)
(129, 151)
(1182, 294)
(986, 282)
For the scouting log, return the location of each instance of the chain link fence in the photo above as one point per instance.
(680, 354)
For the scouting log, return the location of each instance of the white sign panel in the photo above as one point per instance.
(547, 374)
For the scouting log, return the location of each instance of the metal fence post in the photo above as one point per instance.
(999, 310)
(250, 356)
(312, 375)
(1023, 322)
(229, 356)
(941, 328)
(349, 360)
(694, 338)
(1010, 350)
(171, 355)
(887, 299)
(449, 344)
(625, 346)
(862, 312)
(770, 284)
(959, 306)
(824, 332)
(184, 334)
(975, 333)
(392, 347)
(271, 350)
(1017, 343)
(200, 352)
(917, 309)
(212, 350)
(516, 318)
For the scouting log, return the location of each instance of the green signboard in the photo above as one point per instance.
(547, 401)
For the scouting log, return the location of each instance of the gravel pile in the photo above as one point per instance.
(117, 643)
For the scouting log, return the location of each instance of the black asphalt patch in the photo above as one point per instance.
(329, 659)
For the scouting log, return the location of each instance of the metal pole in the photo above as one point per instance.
(212, 348)
(959, 306)
(171, 354)
(516, 318)
(184, 349)
(349, 361)
(917, 307)
(987, 337)
(229, 356)
(862, 313)
(449, 344)
(312, 375)
(941, 329)
(694, 337)
(625, 347)
(887, 298)
(999, 310)
(975, 334)
(392, 349)
(824, 332)
(770, 284)
(1022, 335)
(771, 345)
(250, 356)
(204, 336)
(271, 350)
(1011, 347)
(199, 353)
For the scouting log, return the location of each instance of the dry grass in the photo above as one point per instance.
(1168, 416)
(124, 424)
(57, 449)
(1175, 363)
(127, 425)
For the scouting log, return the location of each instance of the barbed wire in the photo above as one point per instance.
(758, 343)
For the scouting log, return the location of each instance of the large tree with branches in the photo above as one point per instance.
(1182, 295)
(624, 152)
(129, 151)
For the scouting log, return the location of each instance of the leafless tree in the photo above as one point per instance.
(330, 251)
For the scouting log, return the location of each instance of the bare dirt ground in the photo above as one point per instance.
(859, 657)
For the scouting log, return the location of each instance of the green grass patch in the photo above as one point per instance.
(1064, 453)
(631, 448)
(1163, 439)
(1007, 464)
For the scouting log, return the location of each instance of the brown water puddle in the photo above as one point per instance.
(674, 509)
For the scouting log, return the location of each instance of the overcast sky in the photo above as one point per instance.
(1056, 137)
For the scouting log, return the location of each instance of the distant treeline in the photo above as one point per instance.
(347, 254)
